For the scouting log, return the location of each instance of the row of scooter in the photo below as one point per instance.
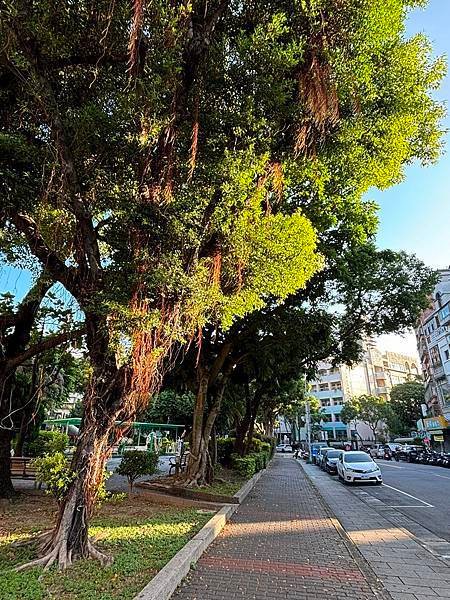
(427, 457)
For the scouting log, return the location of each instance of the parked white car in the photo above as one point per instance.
(284, 448)
(358, 467)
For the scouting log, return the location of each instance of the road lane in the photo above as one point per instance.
(423, 485)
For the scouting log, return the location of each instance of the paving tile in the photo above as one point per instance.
(280, 544)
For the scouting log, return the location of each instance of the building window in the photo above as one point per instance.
(338, 401)
(378, 369)
(325, 402)
(336, 385)
(337, 418)
(381, 382)
(447, 354)
(322, 372)
(435, 357)
(323, 387)
(444, 313)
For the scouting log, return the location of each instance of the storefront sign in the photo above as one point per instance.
(438, 438)
(439, 422)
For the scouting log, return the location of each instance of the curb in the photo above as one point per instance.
(166, 581)
(375, 583)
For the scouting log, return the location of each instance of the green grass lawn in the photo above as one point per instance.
(142, 538)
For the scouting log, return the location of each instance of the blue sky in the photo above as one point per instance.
(415, 215)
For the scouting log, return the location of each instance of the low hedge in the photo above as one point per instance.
(248, 465)
(225, 448)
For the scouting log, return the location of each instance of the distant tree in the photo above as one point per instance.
(371, 410)
(405, 402)
(170, 406)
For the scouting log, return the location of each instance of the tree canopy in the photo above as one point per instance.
(405, 403)
(177, 166)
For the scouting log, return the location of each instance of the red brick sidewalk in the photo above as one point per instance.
(279, 544)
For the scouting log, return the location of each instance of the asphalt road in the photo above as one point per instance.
(421, 492)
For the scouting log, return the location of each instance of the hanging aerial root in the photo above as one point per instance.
(63, 557)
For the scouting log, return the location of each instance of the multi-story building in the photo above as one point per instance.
(433, 343)
(376, 374)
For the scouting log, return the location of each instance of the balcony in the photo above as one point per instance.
(327, 394)
(332, 410)
(439, 333)
(334, 426)
(382, 389)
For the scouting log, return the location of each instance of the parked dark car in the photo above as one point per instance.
(330, 460)
(408, 453)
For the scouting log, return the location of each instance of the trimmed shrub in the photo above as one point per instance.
(48, 442)
(136, 463)
(244, 465)
(225, 450)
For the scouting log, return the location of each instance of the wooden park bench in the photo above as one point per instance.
(178, 463)
(21, 468)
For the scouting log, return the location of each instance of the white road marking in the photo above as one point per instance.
(409, 495)
(407, 506)
(443, 476)
(392, 466)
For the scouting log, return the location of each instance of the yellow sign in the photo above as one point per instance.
(439, 422)
(438, 438)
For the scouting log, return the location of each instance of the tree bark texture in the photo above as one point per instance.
(200, 467)
(6, 486)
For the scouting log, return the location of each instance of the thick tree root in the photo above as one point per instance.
(42, 540)
(63, 557)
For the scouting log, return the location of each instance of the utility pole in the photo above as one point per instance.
(308, 428)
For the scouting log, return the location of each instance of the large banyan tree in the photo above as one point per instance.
(160, 159)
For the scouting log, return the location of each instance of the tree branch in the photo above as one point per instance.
(51, 341)
(48, 258)
(87, 250)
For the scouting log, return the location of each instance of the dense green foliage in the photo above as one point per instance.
(53, 470)
(136, 463)
(48, 442)
(372, 410)
(170, 406)
(405, 405)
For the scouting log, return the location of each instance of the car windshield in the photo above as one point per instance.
(357, 458)
(334, 453)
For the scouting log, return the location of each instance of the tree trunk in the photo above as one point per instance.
(199, 463)
(200, 467)
(69, 539)
(6, 486)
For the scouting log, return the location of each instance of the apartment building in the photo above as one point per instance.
(433, 344)
(376, 374)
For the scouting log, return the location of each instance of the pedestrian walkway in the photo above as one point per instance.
(280, 544)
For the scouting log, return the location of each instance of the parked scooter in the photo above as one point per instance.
(387, 454)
